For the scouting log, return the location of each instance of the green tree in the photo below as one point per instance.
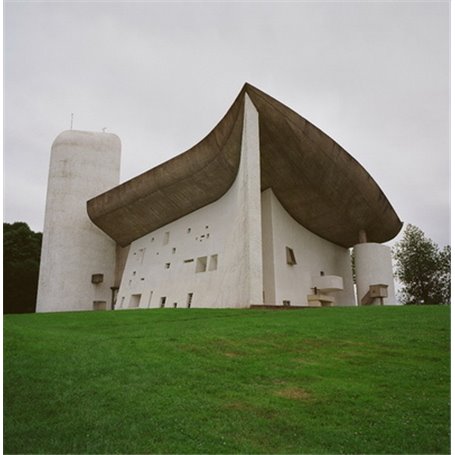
(21, 258)
(422, 268)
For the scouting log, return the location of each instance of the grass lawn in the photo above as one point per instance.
(330, 380)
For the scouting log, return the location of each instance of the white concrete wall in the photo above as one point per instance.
(229, 228)
(373, 265)
(82, 165)
(312, 253)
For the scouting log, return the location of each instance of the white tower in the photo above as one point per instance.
(77, 259)
(374, 274)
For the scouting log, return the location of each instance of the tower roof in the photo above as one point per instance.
(320, 185)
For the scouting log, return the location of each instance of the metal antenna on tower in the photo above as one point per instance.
(72, 116)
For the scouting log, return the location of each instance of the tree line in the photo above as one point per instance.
(420, 265)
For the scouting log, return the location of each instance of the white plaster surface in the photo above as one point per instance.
(82, 165)
(373, 265)
(227, 233)
(312, 253)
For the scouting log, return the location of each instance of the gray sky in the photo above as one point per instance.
(373, 75)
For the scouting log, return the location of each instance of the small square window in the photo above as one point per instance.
(167, 265)
(201, 264)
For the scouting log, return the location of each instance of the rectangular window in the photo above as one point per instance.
(167, 265)
(166, 238)
(187, 261)
(99, 305)
(201, 264)
(162, 302)
(290, 256)
(286, 303)
(134, 301)
(174, 250)
(213, 265)
(150, 299)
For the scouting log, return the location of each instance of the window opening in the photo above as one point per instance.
(188, 230)
(166, 238)
(201, 264)
(175, 304)
(99, 305)
(174, 250)
(186, 261)
(162, 302)
(134, 301)
(167, 265)
(213, 265)
(290, 256)
(189, 300)
(286, 303)
(150, 299)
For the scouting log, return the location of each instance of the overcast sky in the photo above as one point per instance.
(373, 75)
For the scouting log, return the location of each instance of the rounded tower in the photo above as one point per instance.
(77, 258)
(374, 274)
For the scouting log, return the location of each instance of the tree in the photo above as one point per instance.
(422, 268)
(21, 259)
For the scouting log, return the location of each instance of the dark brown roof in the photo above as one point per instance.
(317, 182)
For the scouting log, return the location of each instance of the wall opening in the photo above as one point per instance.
(175, 304)
(121, 302)
(166, 238)
(134, 301)
(186, 261)
(167, 265)
(213, 264)
(290, 256)
(99, 305)
(150, 299)
(286, 303)
(201, 264)
(188, 230)
(162, 302)
(189, 299)
(174, 250)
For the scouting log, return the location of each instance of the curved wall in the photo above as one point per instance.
(82, 165)
(373, 265)
(313, 255)
(212, 254)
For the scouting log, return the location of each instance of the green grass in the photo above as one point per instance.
(335, 380)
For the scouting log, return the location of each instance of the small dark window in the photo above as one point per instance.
(286, 303)
(290, 256)
(175, 304)
(322, 273)
(162, 302)
(167, 265)
(189, 299)
(97, 278)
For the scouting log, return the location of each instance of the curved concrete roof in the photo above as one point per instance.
(317, 181)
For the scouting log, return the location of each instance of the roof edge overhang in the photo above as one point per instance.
(316, 180)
